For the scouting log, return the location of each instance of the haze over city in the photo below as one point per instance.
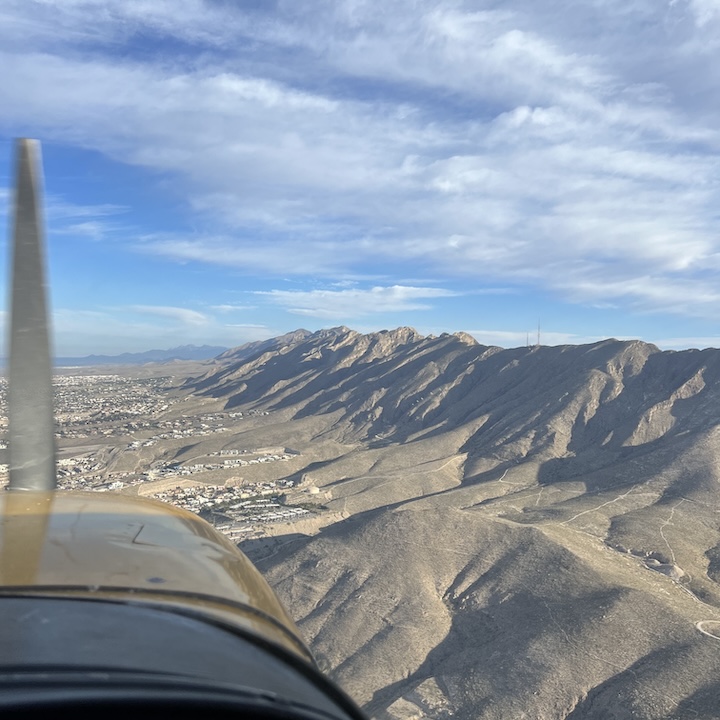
(218, 173)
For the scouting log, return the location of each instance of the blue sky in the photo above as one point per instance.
(220, 172)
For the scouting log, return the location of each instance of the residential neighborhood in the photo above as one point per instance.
(129, 435)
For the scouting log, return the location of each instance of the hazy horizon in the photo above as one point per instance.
(532, 339)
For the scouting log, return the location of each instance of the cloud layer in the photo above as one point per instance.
(354, 303)
(567, 147)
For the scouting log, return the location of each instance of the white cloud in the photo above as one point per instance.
(705, 11)
(682, 343)
(87, 21)
(86, 221)
(122, 329)
(574, 150)
(510, 338)
(247, 325)
(232, 308)
(57, 208)
(181, 315)
(277, 255)
(91, 229)
(334, 304)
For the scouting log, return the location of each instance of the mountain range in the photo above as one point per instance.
(532, 532)
(182, 352)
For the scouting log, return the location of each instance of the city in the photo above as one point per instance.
(117, 433)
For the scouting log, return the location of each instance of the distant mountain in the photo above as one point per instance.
(531, 532)
(183, 352)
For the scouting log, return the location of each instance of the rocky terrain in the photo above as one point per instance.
(530, 533)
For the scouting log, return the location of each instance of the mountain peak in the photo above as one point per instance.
(467, 338)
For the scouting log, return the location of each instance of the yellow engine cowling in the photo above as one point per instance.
(115, 547)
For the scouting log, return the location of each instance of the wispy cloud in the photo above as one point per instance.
(572, 152)
(90, 229)
(231, 308)
(705, 11)
(334, 304)
(181, 315)
(90, 222)
(57, 208)
(681, 343)
(114, 329)
(510, 338)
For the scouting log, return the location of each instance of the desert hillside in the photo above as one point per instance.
(510, 533)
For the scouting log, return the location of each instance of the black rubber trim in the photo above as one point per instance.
(308, 669)
(36, 690)
(63, 590)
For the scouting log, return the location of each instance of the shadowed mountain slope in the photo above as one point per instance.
(538, 402)
(530, 532)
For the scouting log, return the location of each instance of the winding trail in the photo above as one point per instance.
(668, 522)
(715, 633)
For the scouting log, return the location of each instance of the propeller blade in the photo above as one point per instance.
(31, 447)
